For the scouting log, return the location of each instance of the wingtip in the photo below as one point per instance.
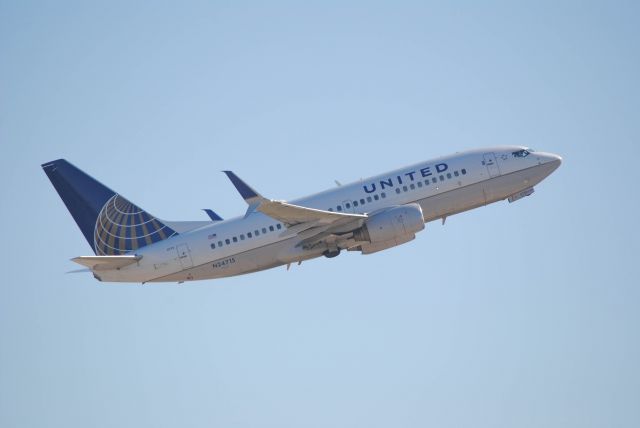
(246, 191)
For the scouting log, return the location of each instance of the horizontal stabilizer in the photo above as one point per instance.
(212, 214)
(106, 262)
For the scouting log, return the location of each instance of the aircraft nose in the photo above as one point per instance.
(552, 159)
(556, 159)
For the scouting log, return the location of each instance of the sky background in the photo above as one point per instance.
(511, 315)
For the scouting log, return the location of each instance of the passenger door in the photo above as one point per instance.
(184, 256)
(489, 160)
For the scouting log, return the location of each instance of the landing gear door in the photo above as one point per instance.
(184, 256)
(489, 161)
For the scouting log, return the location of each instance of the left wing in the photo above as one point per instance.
(303, 221)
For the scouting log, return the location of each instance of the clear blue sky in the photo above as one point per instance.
(521, 315)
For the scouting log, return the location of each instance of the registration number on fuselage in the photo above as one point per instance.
(224, 263)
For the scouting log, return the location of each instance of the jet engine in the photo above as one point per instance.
(389, 228)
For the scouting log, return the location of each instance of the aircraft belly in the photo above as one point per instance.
(478, 194)
(249, 261)
(502, 187)
(447, 203)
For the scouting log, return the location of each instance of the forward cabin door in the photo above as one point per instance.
(489, 160)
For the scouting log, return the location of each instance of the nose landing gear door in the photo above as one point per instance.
(489, 160)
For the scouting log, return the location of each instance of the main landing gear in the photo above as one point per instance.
(331, 253)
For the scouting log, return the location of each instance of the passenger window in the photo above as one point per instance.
(361, 201)
(442, 178)
(278, 226)
(413, 186)
(398, 190)
(256, 232)
(249, 235)
(449, 175)
(242, 237)
(376, 197)
(405, 188)
(463, 171)
(227, 241)
(264, 230)
(369, 199)
(383, 195)
(339, 207)
(434, 180)
(426, 182)
(213, 246)
(219, 243)
(235, 239)
(331, 209)
(456, 173)
(355, 203)
(419, 183)
(271, 229)
(348, 205)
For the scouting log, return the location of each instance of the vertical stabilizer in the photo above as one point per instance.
(110, 223)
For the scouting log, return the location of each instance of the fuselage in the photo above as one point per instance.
(442, 187)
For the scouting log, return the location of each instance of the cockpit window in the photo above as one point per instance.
(521, 153)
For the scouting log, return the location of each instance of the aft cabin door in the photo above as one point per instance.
(184, 256)
(489, 160)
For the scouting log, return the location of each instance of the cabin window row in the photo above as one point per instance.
(249, 235)
(433, 180)
(356, 203)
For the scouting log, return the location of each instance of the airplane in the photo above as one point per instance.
(370, 215)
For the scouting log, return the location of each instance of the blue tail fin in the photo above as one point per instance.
(111, 224)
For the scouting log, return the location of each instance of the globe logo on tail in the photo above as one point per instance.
(122, 227)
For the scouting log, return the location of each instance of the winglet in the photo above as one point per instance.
(243, 188)
(212, 214)
(250, 196)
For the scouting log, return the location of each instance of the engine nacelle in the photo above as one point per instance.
(389, 228)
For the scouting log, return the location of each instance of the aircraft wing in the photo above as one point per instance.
(106, 262)
(303, 221)
(291, 215)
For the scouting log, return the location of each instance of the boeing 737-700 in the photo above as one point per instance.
(369, 215)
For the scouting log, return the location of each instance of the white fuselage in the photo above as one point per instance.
(442, 187)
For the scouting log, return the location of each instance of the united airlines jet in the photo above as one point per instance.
(368, 216)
